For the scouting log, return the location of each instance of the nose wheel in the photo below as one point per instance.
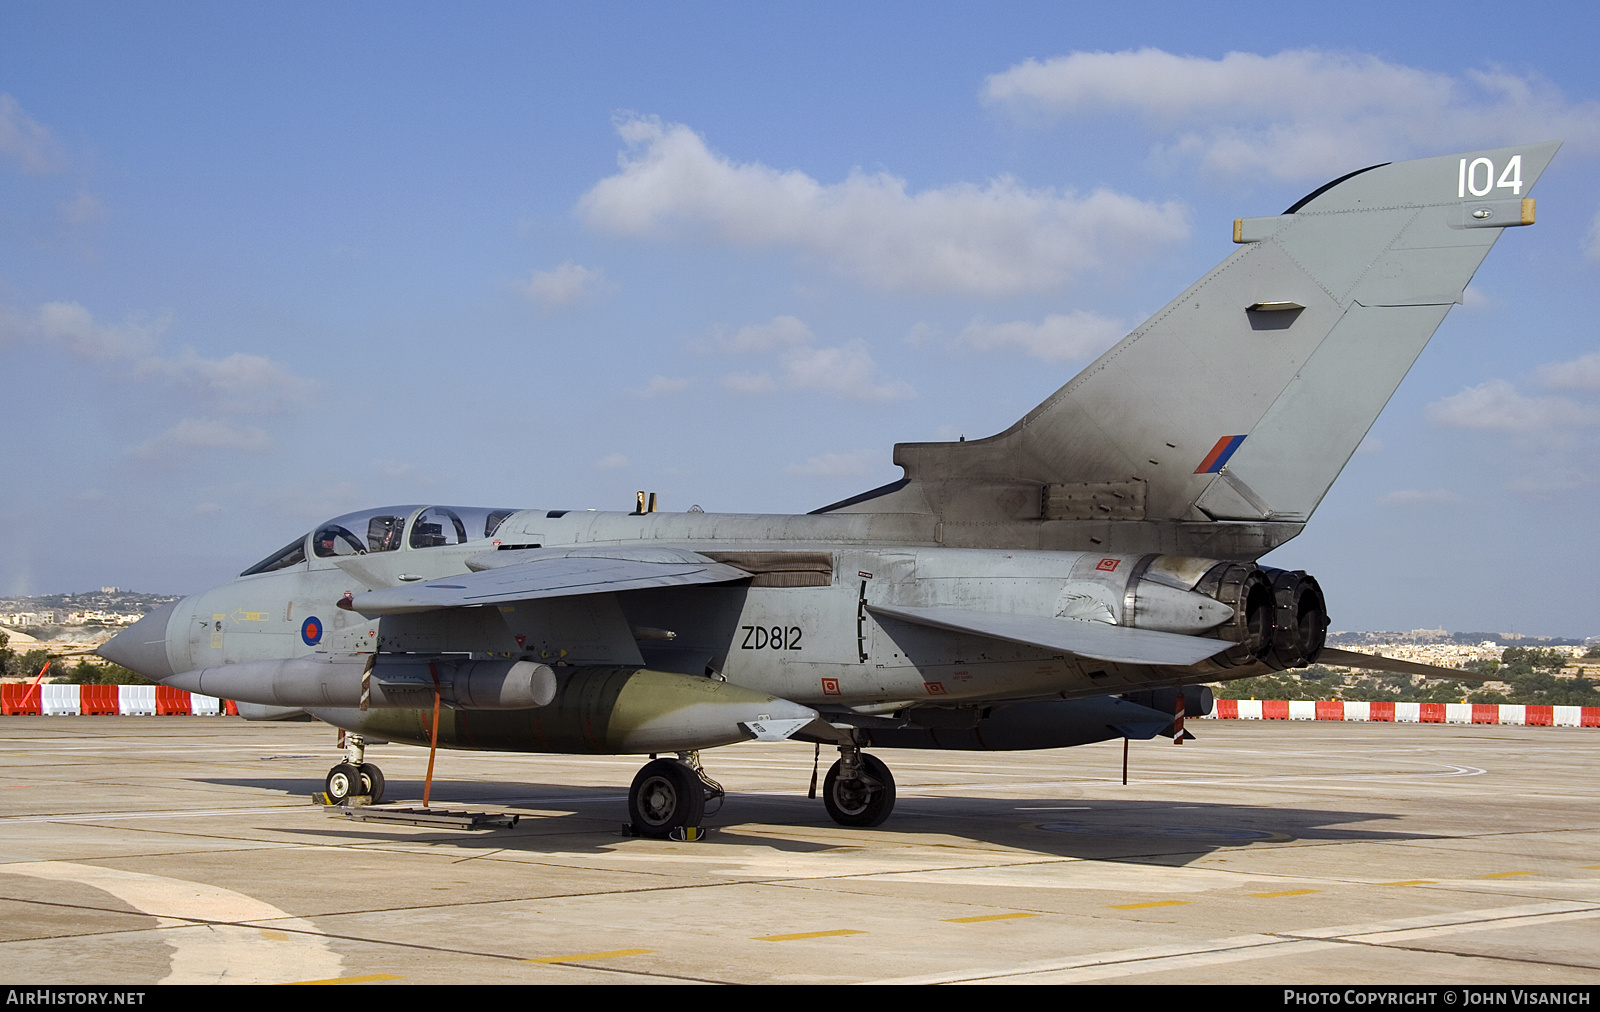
(858, 790)
(355, 777)
(348, 780)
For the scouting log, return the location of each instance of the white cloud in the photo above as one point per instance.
(779, 332)
(760, 383)
(661, 386)
(922, 334)
(1497, 406)
(1417, 497)
(237, 384)
(1552, 481)
(399, 469)
(563, 285)
(1592, 239)
(1473, 298)
(1582, 373)
(83, 208)
(838, 465)
(846, 372)
(1058, 337)
(1298, 113)
(26, 142)
(73, 327)
(611, 462)
(203, 434)
(997, 239)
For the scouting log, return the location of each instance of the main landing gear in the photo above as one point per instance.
(858, 790)
(355, 776)
(671, 795)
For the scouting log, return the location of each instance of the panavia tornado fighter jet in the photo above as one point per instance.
(1066, 581)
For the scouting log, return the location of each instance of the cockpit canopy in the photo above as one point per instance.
(386, 530)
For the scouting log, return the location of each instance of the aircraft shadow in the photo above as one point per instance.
(590, 819)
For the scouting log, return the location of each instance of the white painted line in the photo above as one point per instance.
(1440, 920)
(1385, 937)
(197, 813)
(201, 924)
(1129, 962)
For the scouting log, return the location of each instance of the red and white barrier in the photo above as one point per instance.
(1407, 713)
(108, 700)
(163, 700)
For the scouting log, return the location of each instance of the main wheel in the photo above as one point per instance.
(863, 801)
(343, 781)
(371, 782)
(665, 795)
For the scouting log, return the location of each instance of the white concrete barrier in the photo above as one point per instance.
(59, 701)
(136, 700)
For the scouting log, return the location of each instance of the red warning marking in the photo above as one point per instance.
(1109, 565)
(522, 640)
(934, 688)
(830, 687)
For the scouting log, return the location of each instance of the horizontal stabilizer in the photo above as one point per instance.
(1092, 640)
(1377, 662)
(552, 572)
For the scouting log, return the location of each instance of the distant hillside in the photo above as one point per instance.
(1429, 636)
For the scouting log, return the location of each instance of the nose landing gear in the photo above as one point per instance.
(355, 777)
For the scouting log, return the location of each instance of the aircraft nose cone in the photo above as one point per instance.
(142, 647)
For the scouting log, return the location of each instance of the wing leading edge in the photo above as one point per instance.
(528, 574)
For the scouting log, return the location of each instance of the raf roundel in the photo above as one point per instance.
(311, 631)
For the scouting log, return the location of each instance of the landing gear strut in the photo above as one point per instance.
(858, 790)
(671, 794)
(355, 776)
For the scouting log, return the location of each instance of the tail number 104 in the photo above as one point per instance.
(1478, 179)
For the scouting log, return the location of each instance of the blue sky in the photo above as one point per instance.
(260, 265)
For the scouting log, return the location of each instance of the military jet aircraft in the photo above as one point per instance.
(1059, 583)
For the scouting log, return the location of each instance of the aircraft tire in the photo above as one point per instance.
(855, 803)
(371, 782)
(666, 795)
(343, 781)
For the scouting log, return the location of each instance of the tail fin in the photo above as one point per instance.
(1223, 419)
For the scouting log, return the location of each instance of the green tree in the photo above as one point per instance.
(91, 673)
(30, 663)
(1534, 659)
